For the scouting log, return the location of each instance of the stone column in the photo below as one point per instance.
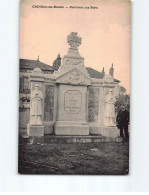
(35, 127)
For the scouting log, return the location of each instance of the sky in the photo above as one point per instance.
(105, 33)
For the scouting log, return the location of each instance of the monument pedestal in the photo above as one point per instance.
(112, 132)
(35, 130)
(67, 128)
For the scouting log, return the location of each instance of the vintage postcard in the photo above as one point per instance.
(74, 87)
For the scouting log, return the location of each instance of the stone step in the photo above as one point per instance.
(79, 139)
(68, 139)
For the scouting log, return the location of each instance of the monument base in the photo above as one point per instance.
(35, 130)
(71, 129)
(111, 132)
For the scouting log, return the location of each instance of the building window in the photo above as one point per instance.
(20, 84)
(25, 99)
(24, 85)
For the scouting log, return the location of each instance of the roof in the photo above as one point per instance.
(95, 74)
(31, 64)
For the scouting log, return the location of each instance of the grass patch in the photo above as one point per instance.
(79, 158)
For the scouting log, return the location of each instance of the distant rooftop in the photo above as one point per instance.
(31, 64)
(95, 74)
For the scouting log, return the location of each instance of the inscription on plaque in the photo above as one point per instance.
(49, 103)
(72, 101)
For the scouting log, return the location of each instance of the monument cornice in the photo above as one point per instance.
(50, 80)
(36, 78)
(73, 57)
(109, 84)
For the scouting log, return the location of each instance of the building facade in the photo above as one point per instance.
(25, 69)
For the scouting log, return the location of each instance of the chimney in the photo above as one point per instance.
(111, 71)
(37, 60)
(103, 71)
(57, 62)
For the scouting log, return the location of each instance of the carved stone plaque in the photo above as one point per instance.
(49, 103)
(72, 101)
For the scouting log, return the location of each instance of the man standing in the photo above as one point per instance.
(123, 121)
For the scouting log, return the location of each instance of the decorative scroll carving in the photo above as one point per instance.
(74, 77)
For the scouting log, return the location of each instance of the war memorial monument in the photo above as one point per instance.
(70, 104)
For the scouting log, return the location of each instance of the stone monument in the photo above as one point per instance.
(70, 102)
(73, 80)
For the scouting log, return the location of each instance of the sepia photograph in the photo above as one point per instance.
(74, 96)
(74, 87)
